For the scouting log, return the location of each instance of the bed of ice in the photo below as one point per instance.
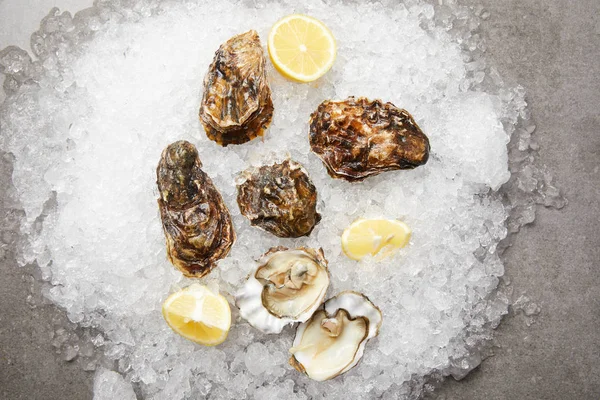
(85, 121)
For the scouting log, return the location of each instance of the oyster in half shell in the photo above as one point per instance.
(195, 220)
(236, 106)
(287, 286)
(357, 138)
(333, 340)
(279, 198)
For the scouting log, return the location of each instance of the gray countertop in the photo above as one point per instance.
(550, 47)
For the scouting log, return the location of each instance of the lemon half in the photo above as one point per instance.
(374, 237)
(301, 48)
(198, 315)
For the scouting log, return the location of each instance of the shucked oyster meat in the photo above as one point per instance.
(333, 340)
(236, 106)
(286, 286)
(279, 198)
(357, 138)
(195, 220)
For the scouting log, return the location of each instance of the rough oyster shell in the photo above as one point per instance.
(286, 286)
(236, 106)
(195, 220)
(333, 340)
(279, 198)
(357, 138)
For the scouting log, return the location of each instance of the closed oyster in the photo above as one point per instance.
(287, 286)
(333, 340)
(357, 138)
(236, 106)
(280, 199)
(195, 220)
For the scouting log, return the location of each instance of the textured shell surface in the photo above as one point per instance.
(357, 138)
(196, 222)
(236, 104)
(280, 199)
(286, 286)
(333, 340)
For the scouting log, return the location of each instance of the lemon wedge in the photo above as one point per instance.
(198, 315)
(301, 48)
(374, 237)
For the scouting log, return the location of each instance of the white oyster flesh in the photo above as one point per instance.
(286, 287)
(356, 304)
(333, 340)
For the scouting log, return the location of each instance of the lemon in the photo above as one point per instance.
(381, 237)
(198, 314)
(301, 48)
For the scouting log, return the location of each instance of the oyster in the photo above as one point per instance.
(357, 138)
(195, 220)
(333, 340)
(236, 106)
(287, 286)
(280, 199)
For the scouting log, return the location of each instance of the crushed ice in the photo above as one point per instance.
(85, 122)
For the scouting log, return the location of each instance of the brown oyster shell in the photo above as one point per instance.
(236, 106)
(357, 138)
(280, 199)
(195, 220)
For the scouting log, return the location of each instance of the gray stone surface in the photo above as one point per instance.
(552, 48)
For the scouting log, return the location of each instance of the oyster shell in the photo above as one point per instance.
(357, 138)
(236, 106)
(333, 340)
(287, 286)
(195, 220)
(279, 198)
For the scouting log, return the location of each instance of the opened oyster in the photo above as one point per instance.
(195, 220)
(357, 138)
(286, 287)
(236, 106)
(333, 340)
(279, 198)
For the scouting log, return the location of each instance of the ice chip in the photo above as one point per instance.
(109, 385)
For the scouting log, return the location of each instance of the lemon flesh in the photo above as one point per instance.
(301, 48)
(198, 315)
(374, 237)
